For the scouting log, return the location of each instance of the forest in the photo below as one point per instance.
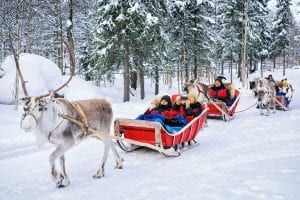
(161, 40)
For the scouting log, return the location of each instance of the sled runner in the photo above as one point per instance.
(138, 133)
(220, 110)
(281, 103)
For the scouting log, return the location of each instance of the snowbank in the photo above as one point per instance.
(40, 74)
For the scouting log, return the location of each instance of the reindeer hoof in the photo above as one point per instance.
(63, 182)
(97, 177)
(119, 164)
(60, 186)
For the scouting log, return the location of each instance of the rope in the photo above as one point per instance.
(246, 108)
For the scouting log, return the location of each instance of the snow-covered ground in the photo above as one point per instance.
(250, 157)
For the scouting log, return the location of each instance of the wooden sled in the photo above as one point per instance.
(220, 110)
(138, 133)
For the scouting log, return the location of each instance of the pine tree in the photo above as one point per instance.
(124, 34)
(281, 30)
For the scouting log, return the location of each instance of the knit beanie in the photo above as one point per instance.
(166, 98)
(220, 79)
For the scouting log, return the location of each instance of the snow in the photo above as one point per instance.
(295, 8)
(69, 23)
(151, 20)
(40, 74)
(250, 157)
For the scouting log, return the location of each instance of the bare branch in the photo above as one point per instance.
(72, 65)
(17, 65)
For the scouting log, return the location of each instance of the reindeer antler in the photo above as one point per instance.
(72, 63)
(18, 66)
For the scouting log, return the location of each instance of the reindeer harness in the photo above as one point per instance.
(82, 123)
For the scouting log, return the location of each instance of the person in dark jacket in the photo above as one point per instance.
(165, 104)
(164, 114)
(218, 92)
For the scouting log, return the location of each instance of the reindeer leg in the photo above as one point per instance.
(267, 109)
(59, 151)
(119, 160)
(260, 108)
(65, 179)
(100, 170)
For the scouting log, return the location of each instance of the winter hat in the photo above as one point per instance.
(284, 82)
(220, 79)
(166, 98)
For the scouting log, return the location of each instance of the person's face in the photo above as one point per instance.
(163, 102)
(191, 98)
(217, 83)
(189, 88)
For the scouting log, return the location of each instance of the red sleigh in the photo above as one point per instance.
(138, 133)
(220, 110)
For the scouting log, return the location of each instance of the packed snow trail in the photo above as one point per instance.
(249, 157)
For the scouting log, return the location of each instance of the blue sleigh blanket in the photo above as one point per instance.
(180, 121)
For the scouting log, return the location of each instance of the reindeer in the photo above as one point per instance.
(65, 123)
(200, 89)
(265, 96)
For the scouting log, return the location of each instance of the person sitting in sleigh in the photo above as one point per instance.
(164, 114)
(190, 108)
(218, 92)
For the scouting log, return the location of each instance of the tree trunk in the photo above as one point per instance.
(195, 76)
(142, 78)
(70, 24)
(133, 78)
(156, 79)
(59, 42)
(244, 50)
(230, 67)
(284, 61)
(261, 66)
(185, 63)
(274, 63)
(17, 54)
(126, 74)
(222, 67)
(2, 50)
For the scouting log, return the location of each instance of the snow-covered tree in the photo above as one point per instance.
(124, 34)
(281, 30)
(190, 30)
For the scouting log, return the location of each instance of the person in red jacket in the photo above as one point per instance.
(218, 92)
(190, 108)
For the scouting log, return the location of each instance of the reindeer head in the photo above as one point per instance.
(188, 85)
(33, 111)
(34, 107)
(260, 94)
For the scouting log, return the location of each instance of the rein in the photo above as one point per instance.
(246, 108)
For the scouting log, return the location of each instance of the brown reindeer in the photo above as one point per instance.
(66, 123)
(200, 89)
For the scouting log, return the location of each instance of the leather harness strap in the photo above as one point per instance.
(83, 123)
